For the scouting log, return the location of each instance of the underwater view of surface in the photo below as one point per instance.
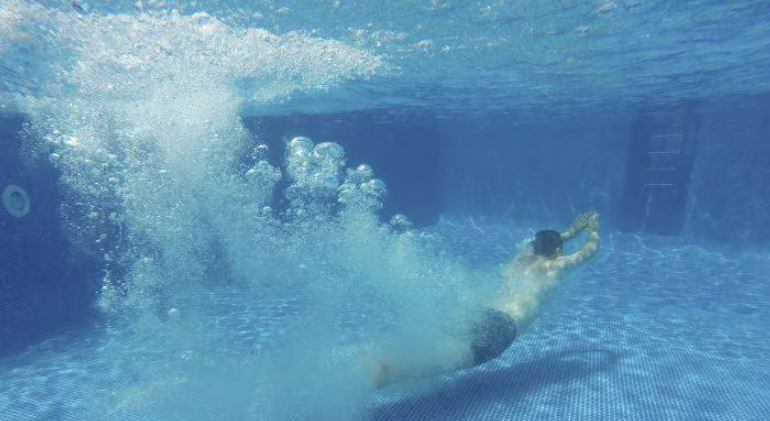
(296, 210)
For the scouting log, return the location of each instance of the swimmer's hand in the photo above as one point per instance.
(587, 219)
(581, 223)
(583, 220)
(593, 221)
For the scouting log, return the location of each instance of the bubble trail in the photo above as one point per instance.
(220, 301)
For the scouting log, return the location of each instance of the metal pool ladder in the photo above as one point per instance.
(660, 160)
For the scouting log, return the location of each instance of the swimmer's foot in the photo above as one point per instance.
(377, 370)
(382, 375)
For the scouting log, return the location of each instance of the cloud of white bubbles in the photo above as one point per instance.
(237, 288)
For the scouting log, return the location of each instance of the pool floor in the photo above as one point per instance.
(647, 331)
(644, 332)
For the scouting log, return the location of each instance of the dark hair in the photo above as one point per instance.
(547, 242)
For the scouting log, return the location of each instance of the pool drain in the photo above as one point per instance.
(16, 201)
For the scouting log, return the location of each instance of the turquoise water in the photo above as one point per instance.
(233, 206)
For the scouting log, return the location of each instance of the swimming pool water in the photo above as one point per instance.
(653, 329)
(198, 246)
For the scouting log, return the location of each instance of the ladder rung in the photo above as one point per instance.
(663, 152)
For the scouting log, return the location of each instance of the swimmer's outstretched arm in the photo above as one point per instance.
(587, 251)
(580, 224)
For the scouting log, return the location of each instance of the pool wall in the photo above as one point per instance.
(43, 286)
(490, 166)
(544, 173)
(731, 183)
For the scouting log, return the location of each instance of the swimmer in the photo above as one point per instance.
(529, 279)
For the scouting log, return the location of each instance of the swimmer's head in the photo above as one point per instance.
(547, 243)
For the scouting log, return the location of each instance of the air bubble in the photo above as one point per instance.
(375, 188)
(360, 174)
(260, 152)
(300, 143)
(400, 223)
(329, 150)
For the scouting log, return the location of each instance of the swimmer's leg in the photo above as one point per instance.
(490, 336)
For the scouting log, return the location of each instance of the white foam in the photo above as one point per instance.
(164, 183)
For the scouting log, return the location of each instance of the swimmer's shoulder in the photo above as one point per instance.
(533, 267)
(520, 264)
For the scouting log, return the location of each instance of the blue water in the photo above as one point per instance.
(234, 206)
(637, 335)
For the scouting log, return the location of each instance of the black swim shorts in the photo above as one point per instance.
(491, 335)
